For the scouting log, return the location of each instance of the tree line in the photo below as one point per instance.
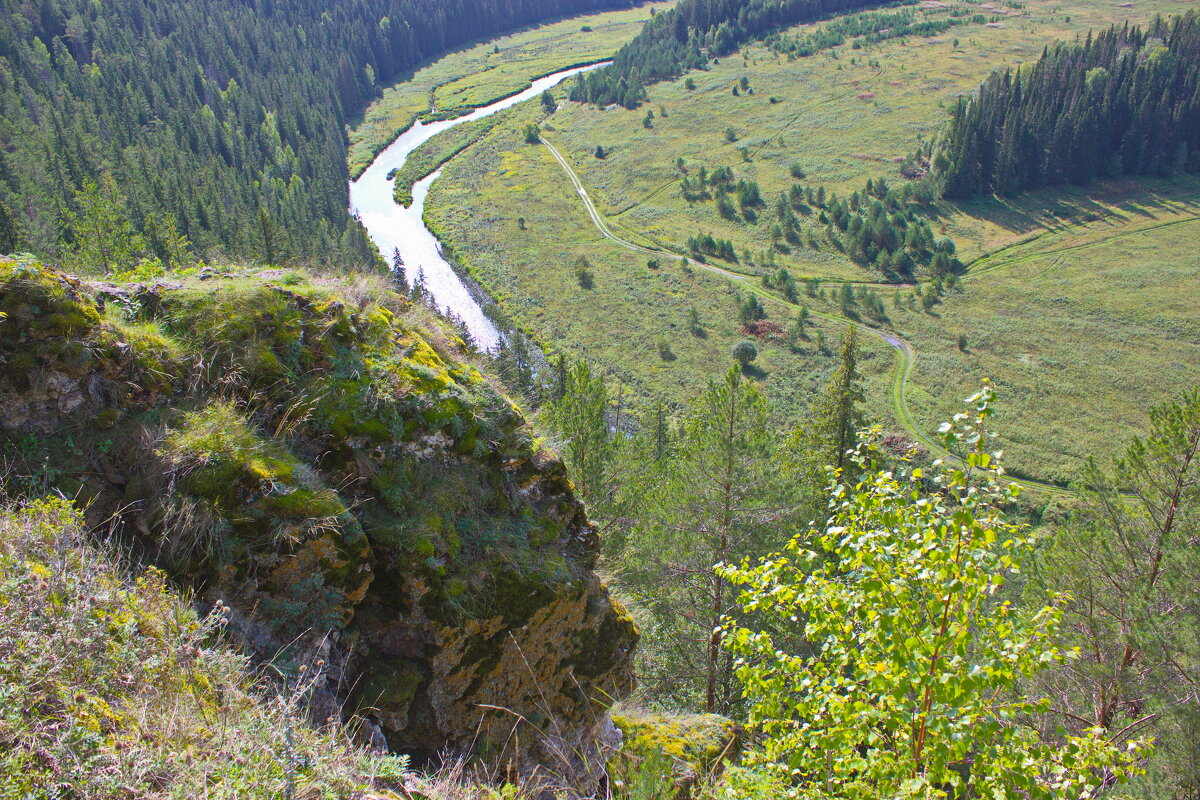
(870, 28)
(1125, 102)
(687, 35)
(218, 120)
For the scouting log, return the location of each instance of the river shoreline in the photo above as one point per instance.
(395, 228)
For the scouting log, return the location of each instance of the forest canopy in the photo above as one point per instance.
(685, 37)
(1126, 102)
(221, 121)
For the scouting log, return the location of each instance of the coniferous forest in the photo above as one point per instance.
(218, 121)
(1126, 102)
(682, 39)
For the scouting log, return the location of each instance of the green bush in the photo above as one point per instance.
(745, 352)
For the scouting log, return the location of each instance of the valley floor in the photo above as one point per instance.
(1076, 302)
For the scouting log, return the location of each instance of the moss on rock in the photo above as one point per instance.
(698, 745)
(322, 458)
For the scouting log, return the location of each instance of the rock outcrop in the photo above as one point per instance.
(320, 457)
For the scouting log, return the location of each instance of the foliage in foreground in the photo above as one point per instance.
(890, 663)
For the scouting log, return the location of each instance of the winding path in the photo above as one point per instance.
(906, 356)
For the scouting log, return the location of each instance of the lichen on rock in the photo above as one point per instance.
(697, 746)
(322, 457)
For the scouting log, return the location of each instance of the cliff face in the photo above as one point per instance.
(320, 458)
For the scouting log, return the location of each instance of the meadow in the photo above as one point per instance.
(1063, 307)
(635, 320)
(844, 115)
(478, 75)
(1082, 329)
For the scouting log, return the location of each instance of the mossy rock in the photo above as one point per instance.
(448, 534)
(389, 687)
(41, 302)
(699, 745)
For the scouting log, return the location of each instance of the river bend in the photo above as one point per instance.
(393, 227)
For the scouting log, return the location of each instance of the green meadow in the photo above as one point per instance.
(1076, 339)
(634, 321)
(844, 114)
(1082, 329)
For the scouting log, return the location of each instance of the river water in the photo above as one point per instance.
(392, 226)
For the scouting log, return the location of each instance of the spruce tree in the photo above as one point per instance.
(837, 415)
(11, 233)
(105, 238)
(579, 419)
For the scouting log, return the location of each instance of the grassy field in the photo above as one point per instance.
(1081, 329)
(632, 311)
(1080, 314)
(845, 115)
(478, 75)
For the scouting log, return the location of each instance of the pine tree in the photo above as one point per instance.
(269, 238)
(399, 277)
(837, 416)
(11, 233)
(579, 419)
(1128, 567)
(716, 499)
(166, 242)
(105, 238)
(662, 432)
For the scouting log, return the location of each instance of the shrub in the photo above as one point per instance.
(886, 655)
(744, 352)
(583, 273)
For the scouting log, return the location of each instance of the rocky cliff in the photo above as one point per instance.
(319, 456)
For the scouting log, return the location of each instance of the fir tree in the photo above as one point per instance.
(104, 236)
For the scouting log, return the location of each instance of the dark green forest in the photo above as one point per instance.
(218, 120)
(686, 36)
(1126, 102)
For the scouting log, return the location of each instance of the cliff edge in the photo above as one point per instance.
(319, 456)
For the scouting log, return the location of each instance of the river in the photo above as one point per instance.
(392, 226)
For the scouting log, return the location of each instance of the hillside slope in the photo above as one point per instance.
(149, 703)
(319, 458)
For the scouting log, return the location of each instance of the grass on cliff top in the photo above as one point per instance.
(480, 74)
(115, 688)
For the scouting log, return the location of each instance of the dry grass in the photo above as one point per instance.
(115, 688)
